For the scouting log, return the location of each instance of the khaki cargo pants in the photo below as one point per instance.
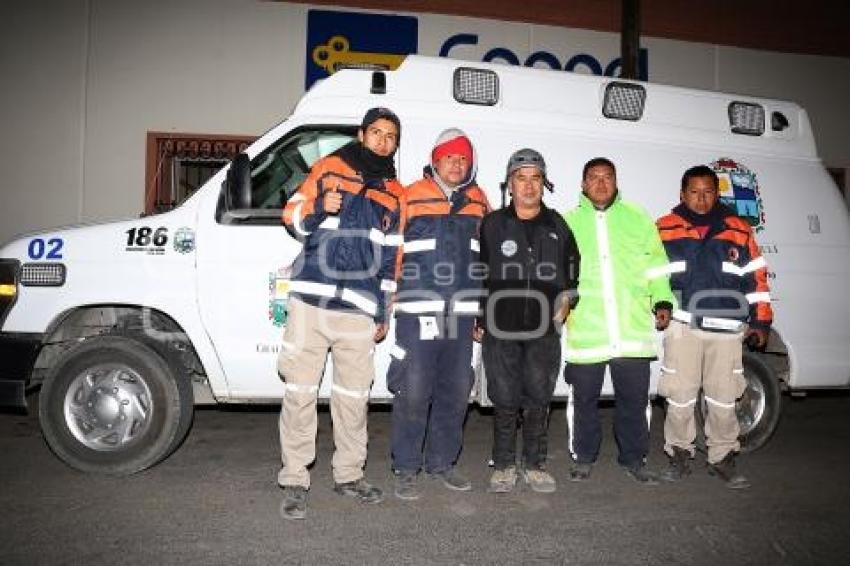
(695, 359)
(310, 333)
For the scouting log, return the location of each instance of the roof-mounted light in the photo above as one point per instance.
(624, 101)
(476, 86)
(746, 118)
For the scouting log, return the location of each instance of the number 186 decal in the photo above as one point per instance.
(147, 239)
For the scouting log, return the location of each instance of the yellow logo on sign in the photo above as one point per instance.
(336, 53)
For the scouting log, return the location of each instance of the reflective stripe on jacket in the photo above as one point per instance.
(721, 278)
(349, 258)
(440, 247)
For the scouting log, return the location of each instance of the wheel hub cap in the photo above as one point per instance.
(108, 406)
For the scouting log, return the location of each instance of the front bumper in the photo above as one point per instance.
(18, 353)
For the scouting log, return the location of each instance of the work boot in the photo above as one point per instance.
(406, 486)
(580, 471)
(503, 481)
(452, 479)
(294, 502)
(361, 490)
(641, 474)
(539, 480)
(725, 469)
(679, 466)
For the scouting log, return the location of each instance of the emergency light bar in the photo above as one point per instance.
(746, 118)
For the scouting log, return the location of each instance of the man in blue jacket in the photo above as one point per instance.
(430, 374)
(721, 277)
(347, 213)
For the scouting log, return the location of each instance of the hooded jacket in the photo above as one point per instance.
(441, 247)
(622, 279)
(348, 260)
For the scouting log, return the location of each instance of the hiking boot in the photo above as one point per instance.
(405, 486)
(641, 475)
(725, 469)
(361, 490)
(503, 481)
(679, 466)
(452, 479)
(580, 471)
(539, 480)
(294, 502)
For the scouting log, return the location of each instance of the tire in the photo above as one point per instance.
(759, 408)
(112, 405)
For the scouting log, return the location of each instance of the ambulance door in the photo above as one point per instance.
(245, 258)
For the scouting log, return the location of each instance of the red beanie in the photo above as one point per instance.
(454, 144)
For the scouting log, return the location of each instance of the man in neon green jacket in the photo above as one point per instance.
(623, 282)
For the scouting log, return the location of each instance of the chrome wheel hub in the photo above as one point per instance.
(107, 407)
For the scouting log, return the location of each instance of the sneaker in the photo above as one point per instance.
(540, 481)
(361, 490)
(453, 480)
(294, 502)
(405, 486)
(503, 481)
(641, 475)
(725, 469)
(679, 466)
(580, 471)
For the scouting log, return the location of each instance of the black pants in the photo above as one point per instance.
(630, 377)
(521, 379)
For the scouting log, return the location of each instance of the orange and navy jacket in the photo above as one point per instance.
(720, 279)
(348, 259)
(440, 250)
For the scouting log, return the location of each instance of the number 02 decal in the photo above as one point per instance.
(50, 249)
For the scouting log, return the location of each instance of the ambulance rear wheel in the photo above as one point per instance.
(112, 404)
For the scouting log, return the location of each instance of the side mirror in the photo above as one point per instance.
(237, 186)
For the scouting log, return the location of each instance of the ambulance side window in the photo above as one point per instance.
(277, 172)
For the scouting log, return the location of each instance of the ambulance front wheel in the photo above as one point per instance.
(113, 405)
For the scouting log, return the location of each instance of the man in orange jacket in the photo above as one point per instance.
(721, 279)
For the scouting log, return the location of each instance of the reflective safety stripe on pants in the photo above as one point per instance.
(310, 332)
(695, 359)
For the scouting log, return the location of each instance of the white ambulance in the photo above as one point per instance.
(126, 325)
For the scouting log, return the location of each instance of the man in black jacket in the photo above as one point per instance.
(532, 270)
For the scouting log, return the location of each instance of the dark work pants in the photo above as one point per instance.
(431, 385)
(521, 377)
(630, 377)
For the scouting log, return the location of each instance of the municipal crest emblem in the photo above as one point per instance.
(279, 295)
(184, 240)
(740, 191)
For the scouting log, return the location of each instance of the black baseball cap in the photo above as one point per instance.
(377, 113)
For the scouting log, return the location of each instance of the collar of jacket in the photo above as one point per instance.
(585, 202)
(540, 217)
(715, 219)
